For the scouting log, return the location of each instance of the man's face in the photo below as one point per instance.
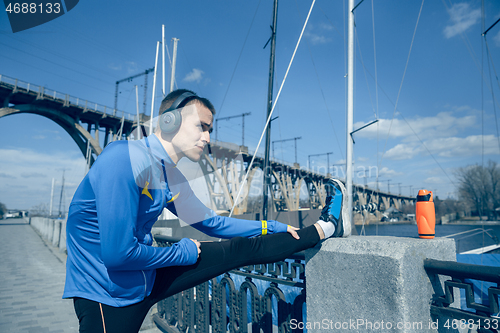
(194, 133)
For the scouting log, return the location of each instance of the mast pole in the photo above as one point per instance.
(174, 61)
(163, 60)
(267, 173)
(61, 197)
(154, 90)
(350, 104)
(138, 136)
(51, 197)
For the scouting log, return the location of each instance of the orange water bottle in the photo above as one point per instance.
(425, 214)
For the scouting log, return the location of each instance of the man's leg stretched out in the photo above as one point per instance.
(215, 259)
(219, 257)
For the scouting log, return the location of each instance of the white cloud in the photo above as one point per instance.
(27, 176)
(469, 146)
(4, 175)
(114, 67)
(316, 37)
(196, 75)
(401, 152)
(444, 124)
(386, 172)
(446, 147)
(462, 18)
(326, 26)
(132, 67)
(435, 180)
(33, 175)
(496, 39)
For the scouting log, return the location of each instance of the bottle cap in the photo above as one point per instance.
(424, 195)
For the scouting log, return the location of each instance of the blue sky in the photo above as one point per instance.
(445, 116)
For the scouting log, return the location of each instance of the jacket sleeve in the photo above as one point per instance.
(192, 211)
(117, 199)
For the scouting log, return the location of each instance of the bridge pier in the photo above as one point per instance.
(106, 136)
(96, 131)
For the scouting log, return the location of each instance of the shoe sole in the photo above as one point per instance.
(346, 217)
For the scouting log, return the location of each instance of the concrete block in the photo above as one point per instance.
(49, 229)
(372, 283)
(62, 239)
(56, 234)
(161, 231)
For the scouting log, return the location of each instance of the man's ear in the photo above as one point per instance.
(167, 136)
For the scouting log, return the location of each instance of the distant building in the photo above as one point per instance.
(16, 214)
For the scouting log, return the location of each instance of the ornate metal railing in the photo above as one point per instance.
(483, 316)
(219, 306)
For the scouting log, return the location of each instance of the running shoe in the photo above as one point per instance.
(335, 210)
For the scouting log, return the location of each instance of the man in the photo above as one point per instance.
(114, 274)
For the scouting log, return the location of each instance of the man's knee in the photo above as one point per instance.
(245, 246)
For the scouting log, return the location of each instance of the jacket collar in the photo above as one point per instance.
(158, 151)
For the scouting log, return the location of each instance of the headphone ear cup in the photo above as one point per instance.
(170, 121)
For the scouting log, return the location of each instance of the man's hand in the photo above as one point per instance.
(197, 245)
(291, 231)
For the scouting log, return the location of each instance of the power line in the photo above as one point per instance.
(54, 63)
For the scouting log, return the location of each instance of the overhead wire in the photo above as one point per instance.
(54, 63)
(482, 130)
(422, 142)
(375, 60)
(238, 61)
(321, 89)
(189, 66)
(464, 39)
(364, 71)
(376, 94)
(492, 94)
(471, 52)
(49, 72)
(273, 106)
(65, 29)
(73, 60)
(482, 90)
(492, 63)
(402, 80)
(375, 111)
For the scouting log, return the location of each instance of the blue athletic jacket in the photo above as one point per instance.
(110, 257)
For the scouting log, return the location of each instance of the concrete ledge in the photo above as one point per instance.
(356, 283)
(53, 231)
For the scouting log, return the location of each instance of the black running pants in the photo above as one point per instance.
(215, 259)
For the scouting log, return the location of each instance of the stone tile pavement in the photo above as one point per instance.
(31, 283)
(32, 274)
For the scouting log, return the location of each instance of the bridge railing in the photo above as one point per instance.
(480, 314)
(65, 99)
(223, 304)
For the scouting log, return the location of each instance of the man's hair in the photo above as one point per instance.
(170, 99)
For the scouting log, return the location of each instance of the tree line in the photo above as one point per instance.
(479, 188)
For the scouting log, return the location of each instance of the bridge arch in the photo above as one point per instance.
(79, 134)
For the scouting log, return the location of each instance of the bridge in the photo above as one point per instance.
(224, 165)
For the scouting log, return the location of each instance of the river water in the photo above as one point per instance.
(467, 236)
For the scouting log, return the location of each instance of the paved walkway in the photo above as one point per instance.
(32, 282)
(32, 275)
